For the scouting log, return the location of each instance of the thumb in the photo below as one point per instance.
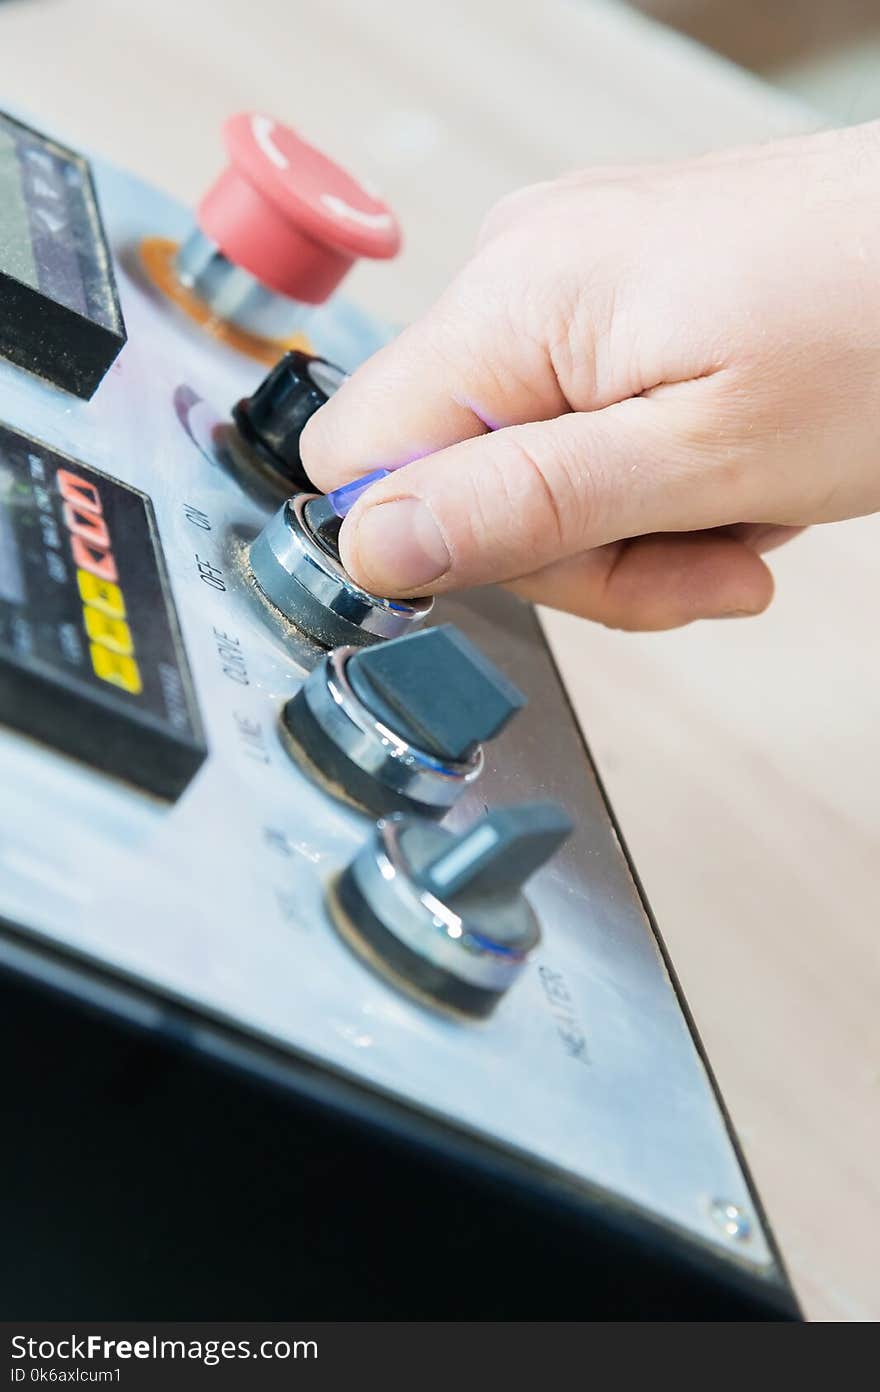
(506, 504)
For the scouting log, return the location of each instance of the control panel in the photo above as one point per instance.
(363, 830)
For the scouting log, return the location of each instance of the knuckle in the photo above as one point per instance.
(538, 483)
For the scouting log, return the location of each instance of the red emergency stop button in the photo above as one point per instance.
(289, 215)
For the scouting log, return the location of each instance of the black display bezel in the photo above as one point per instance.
(79, 716)
(40, 334)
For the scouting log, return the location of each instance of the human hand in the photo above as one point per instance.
(644, 378)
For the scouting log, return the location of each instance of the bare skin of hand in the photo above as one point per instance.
(643, 380)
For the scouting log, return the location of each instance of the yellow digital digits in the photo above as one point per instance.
(111, 646)
(116, 668)
(100, 594)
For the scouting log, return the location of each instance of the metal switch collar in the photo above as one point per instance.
(300, 573)
(422, 904)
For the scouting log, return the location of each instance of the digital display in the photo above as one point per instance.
(59, 312)
(91, 657)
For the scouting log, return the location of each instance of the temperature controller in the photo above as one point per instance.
(91, 658)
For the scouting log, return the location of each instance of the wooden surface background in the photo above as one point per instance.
(743, 758)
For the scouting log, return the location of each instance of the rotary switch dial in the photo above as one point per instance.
(282, 220)
(295, 563)
(400, 726)
(442, 915)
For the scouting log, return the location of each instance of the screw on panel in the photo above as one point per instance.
(733, 1221)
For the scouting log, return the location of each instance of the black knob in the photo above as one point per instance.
(435, 690)
(443, 915)
(400, 726)
(498, 855)
(273, 419)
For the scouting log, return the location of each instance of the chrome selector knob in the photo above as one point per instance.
(400, 726)
(295, 563)
(442, 915)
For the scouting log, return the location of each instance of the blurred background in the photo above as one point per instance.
(743, 759)
(828, 53)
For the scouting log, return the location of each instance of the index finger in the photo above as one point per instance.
(456, 373)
